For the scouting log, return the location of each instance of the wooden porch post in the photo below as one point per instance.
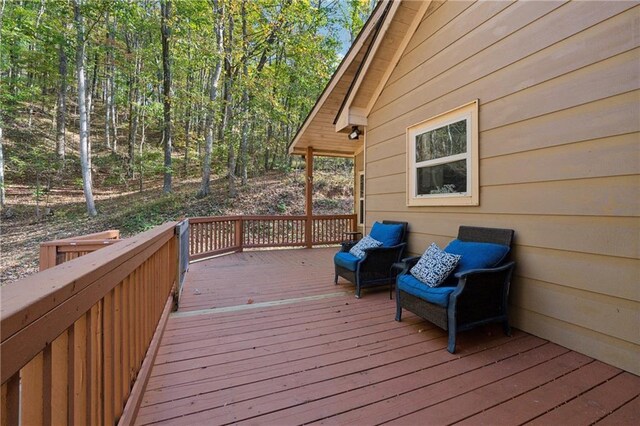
(309, 198)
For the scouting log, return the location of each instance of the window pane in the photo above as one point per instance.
(442, 142)
(443, 179)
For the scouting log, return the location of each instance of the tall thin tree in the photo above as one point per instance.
(2, 193)
(245, 96)
(82, 107)
(165, 6)
(213, 94)
(228, 110)
(61, 109)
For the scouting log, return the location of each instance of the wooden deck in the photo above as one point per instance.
(267, 338)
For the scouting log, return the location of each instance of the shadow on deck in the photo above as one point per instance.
(265, 337)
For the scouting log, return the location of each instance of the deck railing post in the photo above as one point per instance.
(48, 253)
(308, 229)
(240, 233)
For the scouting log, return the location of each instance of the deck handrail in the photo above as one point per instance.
(73, 337)
(214, 235)
(55, 252)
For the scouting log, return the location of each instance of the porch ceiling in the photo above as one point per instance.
(318, 130)
(350, 94)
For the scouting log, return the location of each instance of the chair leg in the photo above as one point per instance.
(357, 292)
(451, 347)
(335, 279)
(398, 312)
(451, 327)
(506, 328)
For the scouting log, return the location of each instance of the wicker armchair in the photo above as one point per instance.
(479, 297)
(375, 268)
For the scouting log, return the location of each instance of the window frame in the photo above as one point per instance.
(468, 112)
(361, 197)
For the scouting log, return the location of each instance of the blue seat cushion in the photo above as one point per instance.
(388, 234)
(435, 295)
(346, 260)
(475, 256)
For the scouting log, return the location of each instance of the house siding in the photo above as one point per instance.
(559, 106)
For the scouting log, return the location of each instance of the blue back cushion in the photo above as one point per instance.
(475, 256)
(388, 234)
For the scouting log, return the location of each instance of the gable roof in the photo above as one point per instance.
(358, 80)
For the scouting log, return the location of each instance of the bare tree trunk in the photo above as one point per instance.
(228, 111)
(82, 107)
(61, 110)
(188, 109)
(142, 141)
(245, 97)
(134, 100)
(2, 193)
(213, 93)
(112, 87)
(90, 95)
(267, 143)
(110, 133)
(165, 6)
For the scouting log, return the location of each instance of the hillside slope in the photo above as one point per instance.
(132, 211)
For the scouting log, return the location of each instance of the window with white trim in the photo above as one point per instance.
(443, 159)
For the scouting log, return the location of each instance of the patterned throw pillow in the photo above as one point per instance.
(365, 243)
(434, 266)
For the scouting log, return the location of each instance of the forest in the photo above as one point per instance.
(101, 93)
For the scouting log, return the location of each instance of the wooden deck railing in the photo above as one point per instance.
(53, 253)
(210, 236)
(74, 338)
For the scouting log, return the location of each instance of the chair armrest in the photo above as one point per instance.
(411, 260)
(481, 295)
(472, 272)
(347, 245)
(382, 257)
(481, 283)
(374, 251)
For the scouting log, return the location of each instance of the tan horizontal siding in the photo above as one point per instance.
(612, 156)
(559, 124)
(595, 235)
(438, 17)
(609, 276)
(606, 196)
(610, 349)
(570, 125)
(575, 124)
(603, 314)
(505, 69)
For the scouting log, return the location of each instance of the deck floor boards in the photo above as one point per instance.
(334, 359)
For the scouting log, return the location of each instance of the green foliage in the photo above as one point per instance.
(134, 219)
(289, 50)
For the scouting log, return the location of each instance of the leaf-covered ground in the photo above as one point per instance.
(132, 211)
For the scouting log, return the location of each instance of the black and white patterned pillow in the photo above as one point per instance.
(365, 243)
(434, 266)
